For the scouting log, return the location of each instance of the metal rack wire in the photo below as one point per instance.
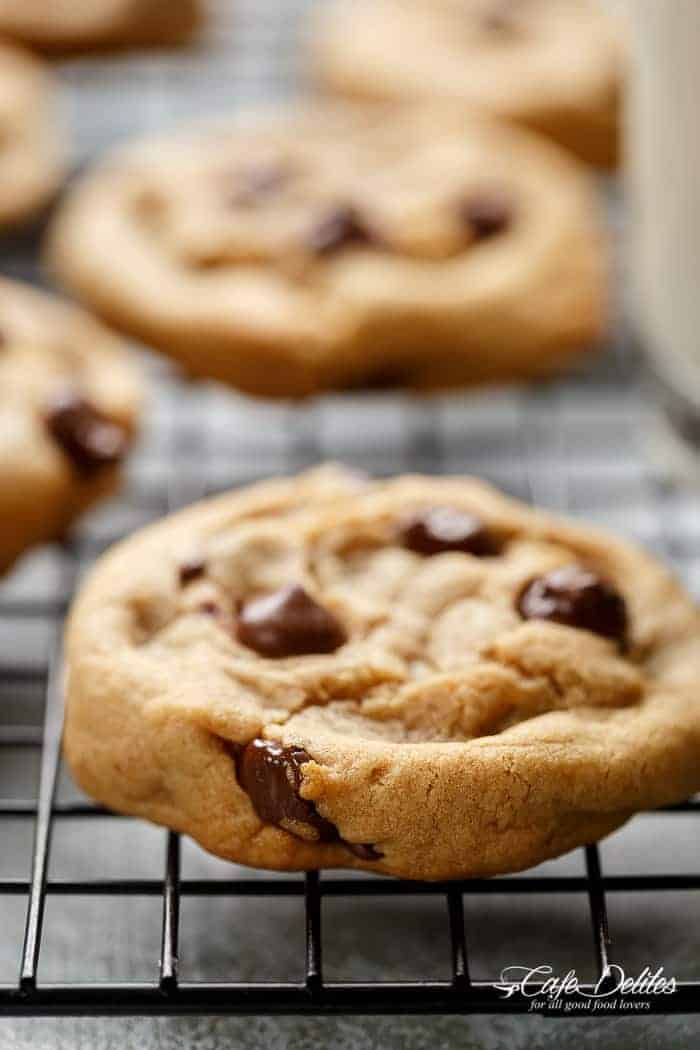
(191, 442)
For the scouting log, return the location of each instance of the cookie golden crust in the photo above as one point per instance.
(554, 66)
(343, 247)
(81, 25)
(417, 677)
(31, 156)
(69, 402)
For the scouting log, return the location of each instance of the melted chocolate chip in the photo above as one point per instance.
(486, 214)
(337, 229)
(210, 608)
(289, 623)
(192, 569)
(441, 529)
(271, 775)
(90, 439)
(577, 597)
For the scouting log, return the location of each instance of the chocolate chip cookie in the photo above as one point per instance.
(552, 65)
(79, 25)
(31, 156)
(418, 677)
(69, 401)
(343, 247)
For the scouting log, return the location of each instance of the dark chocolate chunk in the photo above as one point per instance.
(577, 597)
(192, 569)
(441, 529)
(271, 776)
(90, 439)
(339, 228)
(486, 214)
(288, 623)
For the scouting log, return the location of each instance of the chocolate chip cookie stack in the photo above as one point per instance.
(418, 677)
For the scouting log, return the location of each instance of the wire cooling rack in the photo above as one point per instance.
(201, 440)
(141, 939)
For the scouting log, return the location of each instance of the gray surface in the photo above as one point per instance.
(576, 445)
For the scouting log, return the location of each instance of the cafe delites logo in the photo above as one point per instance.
(548, 992)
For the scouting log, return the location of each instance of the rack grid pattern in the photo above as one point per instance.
(201, 435)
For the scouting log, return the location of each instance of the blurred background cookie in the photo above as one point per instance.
(76, 25)
(554, 65)
(334, 248)
(69, 402)
(31, 153)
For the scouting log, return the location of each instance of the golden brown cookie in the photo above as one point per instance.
(417, 677)
(31, 155)
(79, 25)
(69, 402)
(552, 65)
(341, 247)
